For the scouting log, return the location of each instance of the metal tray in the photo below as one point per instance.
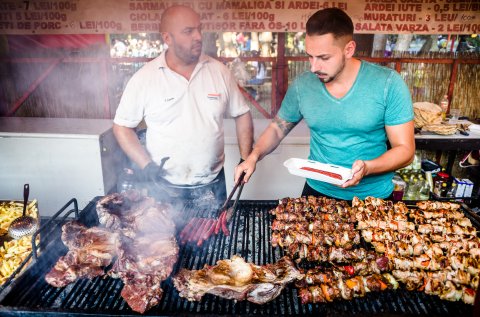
(26, 262)
(37, 243)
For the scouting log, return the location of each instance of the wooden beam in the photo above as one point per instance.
(254, 103)
(451, 84)
(17, 104)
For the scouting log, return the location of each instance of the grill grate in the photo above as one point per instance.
(250, 236)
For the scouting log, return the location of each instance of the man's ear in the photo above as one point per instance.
(349, 49)
(166, 37)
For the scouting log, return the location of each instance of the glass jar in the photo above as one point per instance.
(441, 184)
(399, 187)
(126, 180)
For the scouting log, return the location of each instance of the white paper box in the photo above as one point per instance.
(468, 188)
(460, 187)
(318, 171)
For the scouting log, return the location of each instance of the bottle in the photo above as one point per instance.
(126, 180)
(444, 190)
(428, 176)
(444, 106)
(412, 189)
(451, 193)
(438, 188)
(424, 189)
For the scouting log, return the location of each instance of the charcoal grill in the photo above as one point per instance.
(30, 295)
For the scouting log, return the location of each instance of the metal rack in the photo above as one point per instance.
(250, 238)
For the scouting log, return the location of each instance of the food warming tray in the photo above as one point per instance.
(27, 260)
(250, 238)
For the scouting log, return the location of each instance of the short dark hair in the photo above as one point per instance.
(330, 20)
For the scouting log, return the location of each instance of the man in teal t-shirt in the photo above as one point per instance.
(352, 108)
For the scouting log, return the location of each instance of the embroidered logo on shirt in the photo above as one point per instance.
(213, 96)
(169, 99)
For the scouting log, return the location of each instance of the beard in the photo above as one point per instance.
(189, 55)
(326, 79)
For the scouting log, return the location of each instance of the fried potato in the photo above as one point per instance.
(13, 253)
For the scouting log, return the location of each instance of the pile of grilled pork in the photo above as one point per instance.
(432, 248)
(136, 240)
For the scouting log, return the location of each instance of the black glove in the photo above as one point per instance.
(151, 173)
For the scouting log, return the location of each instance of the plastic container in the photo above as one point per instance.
(328, 173)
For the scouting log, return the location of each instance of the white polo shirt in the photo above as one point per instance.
(184, 118)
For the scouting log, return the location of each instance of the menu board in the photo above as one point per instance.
(143, 16)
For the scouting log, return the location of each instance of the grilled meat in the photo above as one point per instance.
(313, 227)
(326, 226)
(346, 288)
(313, 208)
(236, 279)
(90, 249)
(139, 233)
(438, 254)
(433, 249)
(344, 239)
(145, 256)
(67, 271)
(143, 263)
(120, 209)
(399, 225)
(437, 205)
(97, 246)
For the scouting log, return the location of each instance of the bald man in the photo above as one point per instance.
(183, 96)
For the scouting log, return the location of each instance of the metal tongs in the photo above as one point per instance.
(200, 229)
(224, 214)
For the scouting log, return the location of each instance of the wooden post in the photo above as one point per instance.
(281, 73)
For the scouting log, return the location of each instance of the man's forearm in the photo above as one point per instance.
(128, 141)
(395, 158)
(271, 137)
(244, 129)
(401, 154)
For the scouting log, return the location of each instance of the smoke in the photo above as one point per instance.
(58, 76)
